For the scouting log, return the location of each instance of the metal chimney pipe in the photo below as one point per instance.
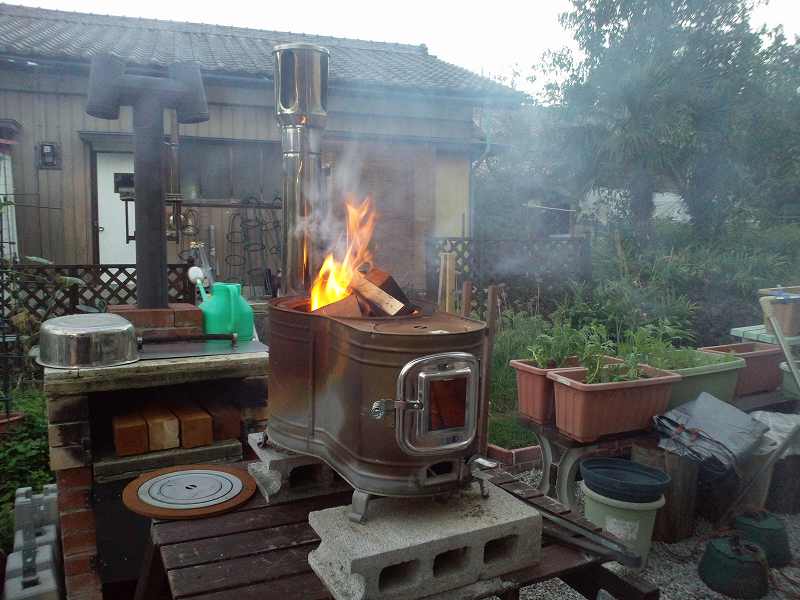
(301, 108)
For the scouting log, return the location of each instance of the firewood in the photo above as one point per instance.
(382, 303)
(388, 284)
(346, 307)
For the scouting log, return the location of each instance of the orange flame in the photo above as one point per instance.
(333, 280)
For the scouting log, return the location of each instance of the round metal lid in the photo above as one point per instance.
(187, 492)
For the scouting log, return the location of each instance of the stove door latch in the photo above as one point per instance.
(381, 408)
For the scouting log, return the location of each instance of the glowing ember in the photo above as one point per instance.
(333, 280)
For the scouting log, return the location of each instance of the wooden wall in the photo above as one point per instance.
(412, 156)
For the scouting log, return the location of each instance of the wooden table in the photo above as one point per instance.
(259, 552)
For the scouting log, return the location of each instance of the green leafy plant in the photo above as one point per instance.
(507, 432)
(553, 348)
(596, 347)
(23, 457)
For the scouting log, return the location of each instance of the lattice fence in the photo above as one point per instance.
(42, 289)
(548, 263)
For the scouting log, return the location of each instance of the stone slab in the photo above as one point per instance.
(279, 459)
(276, 491)
(411, 548)
(152, 373)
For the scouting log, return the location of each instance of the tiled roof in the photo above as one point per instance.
(52, 34)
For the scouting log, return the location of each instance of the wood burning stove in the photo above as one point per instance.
(392, 404)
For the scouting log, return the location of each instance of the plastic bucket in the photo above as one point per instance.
(631, 522)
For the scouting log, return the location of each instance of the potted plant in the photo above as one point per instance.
(762, 371)
(555, 350)
(716, 374)
(608, 398)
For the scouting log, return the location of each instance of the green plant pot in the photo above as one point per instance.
(718, 378)
(767, 531)
(735, 567)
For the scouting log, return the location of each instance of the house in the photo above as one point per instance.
(401, 129)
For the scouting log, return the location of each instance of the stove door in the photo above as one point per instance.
(437, 404)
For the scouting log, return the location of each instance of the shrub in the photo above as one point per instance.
(505, 431)
(23, 458)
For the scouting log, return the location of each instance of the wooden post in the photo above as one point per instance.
(675, 521)
(450, 283)
(488, 346)
(442, 275)
(466, 298)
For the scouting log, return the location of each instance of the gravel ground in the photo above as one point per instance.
(677, 578)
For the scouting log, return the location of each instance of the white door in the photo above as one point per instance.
(111, 210)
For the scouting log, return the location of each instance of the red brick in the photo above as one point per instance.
(187, 315)
(169, 332)
(500, 454)
(81, 477)
(74, 499)
(83, 585)
(80, 563)
(67, 409)
(78, 542)
(82, 520)
(94, 594)
(528, 454)
(143, 318)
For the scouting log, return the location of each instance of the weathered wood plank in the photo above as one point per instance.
(113, 468)
(171, 532)
(237, 545)
(305, 586)
(151, 373)
(238, 572)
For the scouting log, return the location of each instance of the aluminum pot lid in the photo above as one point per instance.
(188, 492)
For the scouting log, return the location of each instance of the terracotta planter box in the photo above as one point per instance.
(7, 423)
(588, 411)
(514, 456)
(535, 390)
(535, 397)
(762, 372)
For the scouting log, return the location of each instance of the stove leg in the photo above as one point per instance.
(358, 508)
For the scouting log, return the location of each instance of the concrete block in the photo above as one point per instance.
(45, 536)
(44, 561)
(284, 476)
(410, 548)
(46, 588)
(44, 506)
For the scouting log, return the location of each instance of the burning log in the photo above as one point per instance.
(346, 307)
(388, 284)
(381, 302)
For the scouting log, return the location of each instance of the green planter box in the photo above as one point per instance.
(718, 377)
(789, 386)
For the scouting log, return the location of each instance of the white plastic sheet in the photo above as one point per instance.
(780, 425)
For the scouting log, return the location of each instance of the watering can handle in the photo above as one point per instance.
(203, 294)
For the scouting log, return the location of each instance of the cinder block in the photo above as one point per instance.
(45, 505)
(44, 560)
(46, 588)
(410, 548)
(45, 536)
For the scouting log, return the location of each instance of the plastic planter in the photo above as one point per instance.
(535, 397)
(588, 411)
(535, 390)
(762, 371)
(716, 377)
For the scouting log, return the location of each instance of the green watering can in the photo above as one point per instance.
(226, 311)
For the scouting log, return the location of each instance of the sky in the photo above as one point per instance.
(490, 38)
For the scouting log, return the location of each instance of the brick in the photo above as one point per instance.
(94, 594)
(130, 434)
(255, 413)
(81, 477)
(68, 434)
(144, 318)
(79, 586)
(163, 428)
(67, 409)
(196, 424)
(78, 542)
(187, 315)
(169, 332)
(226, 418)
(86, 562)
(500, 454)
(82, 520)
(252, 392)
(528, 454)
(73, 499)
(69, 457)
